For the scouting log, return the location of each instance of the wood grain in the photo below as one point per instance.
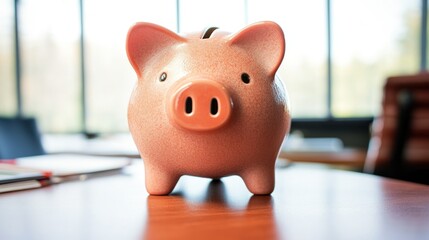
(307, 203)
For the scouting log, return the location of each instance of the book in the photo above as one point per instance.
(15, 178)
(23, 185)
(44, 170)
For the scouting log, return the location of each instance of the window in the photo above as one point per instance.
(304, 67)
(338, 53)
(371, 39)
(49, 34)
(425, 30)
(225, 14)
(109, 76)
(8, 104)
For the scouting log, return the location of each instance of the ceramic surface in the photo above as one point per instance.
(209, 107)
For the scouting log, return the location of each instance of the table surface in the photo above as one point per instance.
(307, 203)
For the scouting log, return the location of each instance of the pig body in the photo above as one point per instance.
(208, 107)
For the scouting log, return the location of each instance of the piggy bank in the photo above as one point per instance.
(207, 104)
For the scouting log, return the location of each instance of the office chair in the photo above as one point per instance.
(19, 137)
(399, 146)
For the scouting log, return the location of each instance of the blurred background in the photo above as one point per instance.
(64, 61)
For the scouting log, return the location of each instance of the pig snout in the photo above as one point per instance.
(200, 105)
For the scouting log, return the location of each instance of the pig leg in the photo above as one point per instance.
(259, 181)
(159, 182)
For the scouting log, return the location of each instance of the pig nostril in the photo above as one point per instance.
(188, 105)
(214, 106)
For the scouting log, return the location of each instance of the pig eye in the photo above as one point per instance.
(245, 78)
(163, 77)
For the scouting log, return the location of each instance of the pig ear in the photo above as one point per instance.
(144, 40)
(265, 42)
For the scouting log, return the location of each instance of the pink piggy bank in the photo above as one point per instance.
(208, 104)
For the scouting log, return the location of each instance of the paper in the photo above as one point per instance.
(73, 164)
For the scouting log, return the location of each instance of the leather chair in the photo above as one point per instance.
(399, 146)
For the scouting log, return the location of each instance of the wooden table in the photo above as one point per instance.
(308, 203)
